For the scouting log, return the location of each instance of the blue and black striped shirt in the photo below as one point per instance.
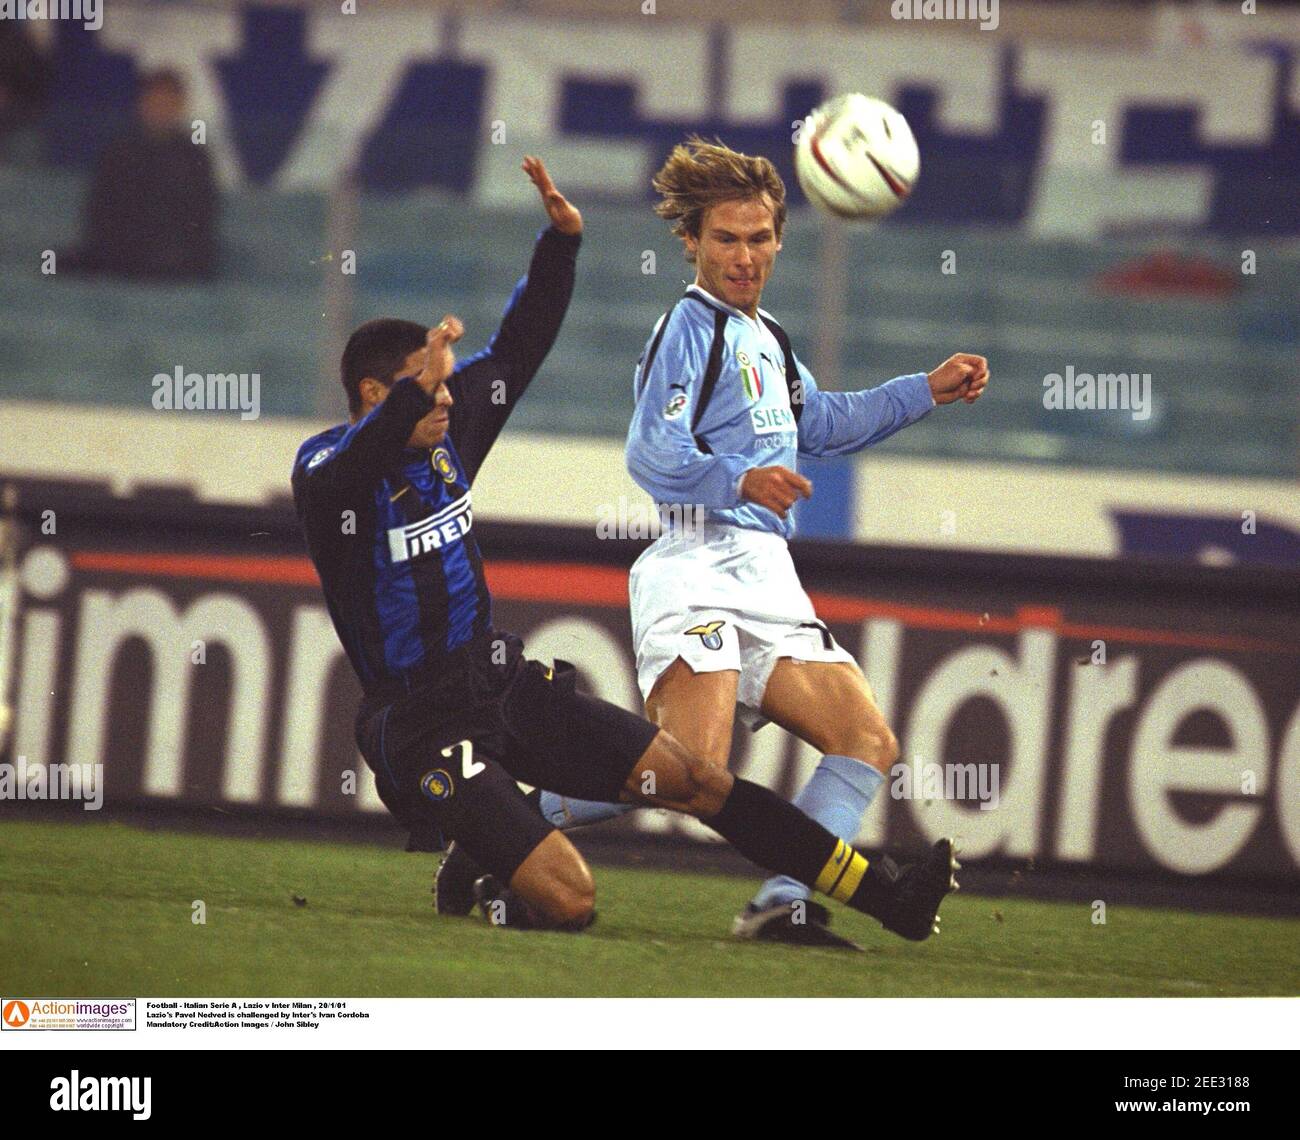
(389, 527)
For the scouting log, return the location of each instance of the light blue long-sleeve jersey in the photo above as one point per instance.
(748, 420)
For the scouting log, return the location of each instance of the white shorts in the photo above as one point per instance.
(723, 598)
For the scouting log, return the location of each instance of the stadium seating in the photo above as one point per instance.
(1222, 371)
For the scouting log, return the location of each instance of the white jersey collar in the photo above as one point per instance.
(731, 309)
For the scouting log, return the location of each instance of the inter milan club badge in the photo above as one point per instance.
(436, 784)
(443, 465)
(750, 376)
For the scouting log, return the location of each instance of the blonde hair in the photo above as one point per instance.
(701, 174)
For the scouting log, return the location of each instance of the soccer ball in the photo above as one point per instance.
(856, 157)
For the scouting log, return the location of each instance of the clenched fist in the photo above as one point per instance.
(776, 488)
(440, 361)
(963, 376)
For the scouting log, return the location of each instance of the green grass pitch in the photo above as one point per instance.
(105, 910)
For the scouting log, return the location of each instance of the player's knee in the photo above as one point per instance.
(708, 785)
(873, 744)
(571, 905)
(557, 884)
(707, 742)
(575, 894)
(886, 748)
(715, 748)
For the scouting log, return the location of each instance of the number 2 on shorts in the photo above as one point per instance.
(468, 765)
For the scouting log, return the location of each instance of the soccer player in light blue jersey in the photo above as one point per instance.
(724, 410)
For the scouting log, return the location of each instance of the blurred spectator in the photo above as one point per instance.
(152, 207)
(1169, 273)
(24, 77)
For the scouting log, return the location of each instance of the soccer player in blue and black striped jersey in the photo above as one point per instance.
(453, 713)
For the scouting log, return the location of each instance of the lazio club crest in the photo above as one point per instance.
(709, 634)
(443, 465)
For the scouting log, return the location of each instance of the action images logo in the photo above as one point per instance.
(16, 1014)
(34, 1014)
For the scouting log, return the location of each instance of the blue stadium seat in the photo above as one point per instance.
(1223, 388)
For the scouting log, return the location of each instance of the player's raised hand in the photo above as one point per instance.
(963, 376)
(439, 360)
(775, 488)
(563, 214)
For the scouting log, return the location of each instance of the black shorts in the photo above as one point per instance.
(446, 757)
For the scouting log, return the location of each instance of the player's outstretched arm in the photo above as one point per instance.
(489, 383)
(532, 319)
(840, 423)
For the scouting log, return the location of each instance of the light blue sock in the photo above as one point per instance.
(565, 813)
(837, 797)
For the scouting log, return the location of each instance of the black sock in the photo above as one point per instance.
(780, 838)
